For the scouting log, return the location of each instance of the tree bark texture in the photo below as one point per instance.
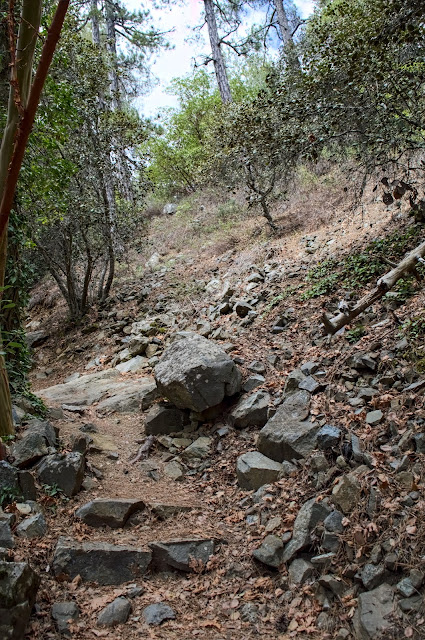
(217, 56)
(384, 284)
(285, 33)
(23, 103)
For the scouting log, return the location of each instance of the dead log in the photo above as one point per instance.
(384, 284)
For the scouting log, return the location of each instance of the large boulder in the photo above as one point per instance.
(285, 438)
(18, 589)
(195, 373)
(100, 562)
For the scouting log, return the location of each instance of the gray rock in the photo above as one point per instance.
(254, 470)
(44, 428)
(100, 562)
(165, 419)
(328, 437)
(29, 450)
(256, 366)
(116, 612)
(251, 411)
(27, 484)
(249, 612)
(33, 527)
(309, 368)
(9, 482)
(294, 380)
(194, 373)
(330, 542)
(270, 552)
(6, 537)
(137, 395)
(322, 560)
(133, 365)
(36, 338)
(406, 588)
(363, 361)
(310, 384)
(137, 345)
(373, 615)
(112, 513)
(63, 613)
(170, 209)
(253, 382)
(180, 553)
(414, 603)
(286, 439)
(333, 522)
(156, 614)
(347, 493)
(300, 570)
(174, 470)
(367, 393)
(18, 589)
(86, 389)
(297, 405)
(199, 449)
(63, 470)
(374, 417)
(333, 584)
(310, 514)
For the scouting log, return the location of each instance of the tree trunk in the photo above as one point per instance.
(18, 95)
(16, 135)
(384, 284)
(217, 56)
(285, 33)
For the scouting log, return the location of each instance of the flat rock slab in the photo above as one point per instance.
(108, 513)
(103, 386)
(136, 396)
(284, 438)
(184, 554)
(100, 562)
(63, 613)
(195, 373)
(18, 589)
(255, 470)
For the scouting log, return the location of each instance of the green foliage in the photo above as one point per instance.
(8, 495)
(354, 335)
(358, 269)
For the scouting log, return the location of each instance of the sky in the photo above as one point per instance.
(178, 61)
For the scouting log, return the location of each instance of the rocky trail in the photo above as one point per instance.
(213, 466)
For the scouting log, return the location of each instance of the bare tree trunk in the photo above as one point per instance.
(285, 33)
(111, 45)
(217, 56)
(384, 284)
(95, 23)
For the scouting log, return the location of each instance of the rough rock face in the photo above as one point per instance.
(100, 562)
(255, 470)
(195, 373)
(372, 616)
(284, 438)
(110, 513)
(178, 554)
(65, 471)
(18, 588)
(251, 411)
(310, 514)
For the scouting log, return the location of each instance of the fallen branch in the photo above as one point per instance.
(143, 451)
(384, 284)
